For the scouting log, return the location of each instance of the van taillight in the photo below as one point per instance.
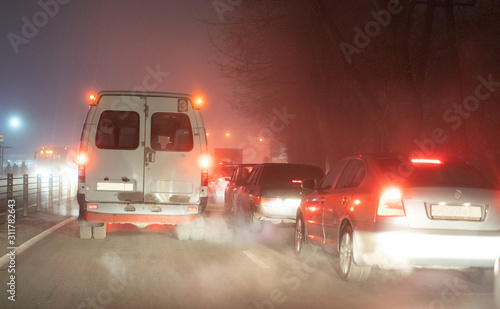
(204, 163)
(204, 178)
(391, 204)
(82, 162)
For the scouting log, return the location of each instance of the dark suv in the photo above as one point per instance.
(273, 192)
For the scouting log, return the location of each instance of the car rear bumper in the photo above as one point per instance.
(276, 212)
(429, 249)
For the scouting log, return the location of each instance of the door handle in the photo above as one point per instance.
(151, 157)
(344, 200)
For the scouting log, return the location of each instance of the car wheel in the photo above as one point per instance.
(256, 224)
(197, 229)
(183, 231)
(85, 232)
(300, 237)
(349, 271)
(99, 231)
(240, 216)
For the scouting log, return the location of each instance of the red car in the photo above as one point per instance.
(389, 212)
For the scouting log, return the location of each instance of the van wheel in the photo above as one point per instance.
(197, 228)
(349, 271)
(85, 232)
(99, 231)
(183, 231)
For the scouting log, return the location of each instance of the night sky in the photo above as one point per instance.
(52, 58)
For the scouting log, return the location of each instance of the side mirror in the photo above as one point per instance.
(309, 184)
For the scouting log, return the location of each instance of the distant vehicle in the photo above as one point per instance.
(143, 160)
(390, 212)
(237, 180)
(219, 179)
(58, 161)
(273, 192)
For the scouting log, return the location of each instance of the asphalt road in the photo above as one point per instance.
(231, 268)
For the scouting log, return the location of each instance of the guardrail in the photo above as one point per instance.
(39, 193)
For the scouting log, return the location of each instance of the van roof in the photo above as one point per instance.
(143, 93)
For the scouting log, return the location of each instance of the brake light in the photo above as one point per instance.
(426, 161)
(204, 178)
(82, 159)
(391, 204)
(92, 206)
(82, 162)
(204, 164)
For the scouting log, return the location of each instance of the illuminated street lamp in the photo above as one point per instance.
(15, 122)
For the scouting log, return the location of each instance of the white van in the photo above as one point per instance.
(143, 160)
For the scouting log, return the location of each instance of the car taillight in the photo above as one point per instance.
(391, 204)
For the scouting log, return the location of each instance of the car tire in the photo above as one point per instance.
(300, 239)
(256, 224)
(197, 229)
(349, 271)
(85, 232)
(99, 231)
(240, 218)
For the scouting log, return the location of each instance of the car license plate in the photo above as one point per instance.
(451, 212)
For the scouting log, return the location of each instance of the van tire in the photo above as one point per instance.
(99, 231)
(85, 232)
(198, 229)
(183, 231)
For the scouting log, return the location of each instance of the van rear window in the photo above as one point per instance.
(171, 132)
(118, 130)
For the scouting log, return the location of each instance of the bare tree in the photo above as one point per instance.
(360, 76)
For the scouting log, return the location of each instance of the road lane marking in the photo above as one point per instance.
(256, 260)
(6, 258)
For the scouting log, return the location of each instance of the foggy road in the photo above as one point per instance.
(231, 268)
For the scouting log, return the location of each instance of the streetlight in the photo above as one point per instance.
(15, 122)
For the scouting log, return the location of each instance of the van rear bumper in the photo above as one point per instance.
(137, 218)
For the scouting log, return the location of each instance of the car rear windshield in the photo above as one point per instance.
(433, 175)
(289, 175)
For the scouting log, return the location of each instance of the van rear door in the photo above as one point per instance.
(173, 148)
(115, 149)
